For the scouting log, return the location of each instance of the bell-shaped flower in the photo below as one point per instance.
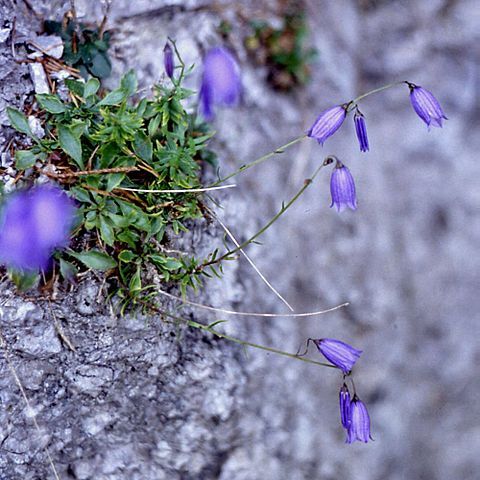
(168, 61)
(344, 401)
(361, 130)
(221, 84)
(426, 106)
(342, 188)
(33, 224)
(359, 427)
(338, 353)
(327, 123)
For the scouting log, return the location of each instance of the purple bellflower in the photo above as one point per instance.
(344, 400)
(359, 427)
(327, 123)
(342, 188)
(361, 130)
(33, 224)
(426, 106)
(221, 85)
(168, 62)
(338, 353)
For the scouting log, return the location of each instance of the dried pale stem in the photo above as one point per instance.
(249, 314)
(179, 190)
(250, 261)
(94, 172)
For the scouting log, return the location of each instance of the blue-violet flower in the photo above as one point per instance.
(168, 60)
(221, 83)
(342, 188)
(426, 105)
(344, 400)
(327, 123)
(359, 427)
(338, 353)
(361, 130)
(33, 224)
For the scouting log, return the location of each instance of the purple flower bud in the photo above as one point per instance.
(342, 188)
(338, 353)
(361, 130)
(221, 83)
(168, 60)
(426, 106)
(33, 224)
(359, 428)
(327, 123)
(344, 399)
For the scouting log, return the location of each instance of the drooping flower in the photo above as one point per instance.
(338, 353)
(426, 105)
(327, 123)
(342, 188)
(168, 62)
(361, 130)
(344, 400)
(33, 224)
(359, 427)
(221, 84)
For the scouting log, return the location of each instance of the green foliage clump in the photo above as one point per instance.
(109, 152)
(84, 47)
(282, 51)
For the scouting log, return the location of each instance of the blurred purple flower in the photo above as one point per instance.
(426, 105)
(221, 83)
(33, 224)
(342, 188)
(327, 123)
(338, 353)
(168, 59)
(344, 400)
(361, 130)
(359, 427)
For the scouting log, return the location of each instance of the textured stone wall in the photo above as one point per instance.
(140, 399)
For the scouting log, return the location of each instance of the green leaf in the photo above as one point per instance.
(24, 280)
(75, 87)
(91, 87)
(136, 282)
(70, 144)
(113, 98)
(81, 194)
(68, 270)
(24, 159)
(128, 83)
(154, 124)
(19, 121)
(106, 230)
(100, 65)
(114, 180)
(51, 103)
(126, 256)
(142, 146)
(95, 259)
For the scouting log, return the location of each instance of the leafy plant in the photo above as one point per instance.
(85, 47)
(282, 51)
(120, 158)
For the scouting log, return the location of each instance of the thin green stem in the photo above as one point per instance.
(284, 208)
(376, 90)
(245, 343)
(260, 160)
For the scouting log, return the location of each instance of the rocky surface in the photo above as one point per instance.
(140, 398)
